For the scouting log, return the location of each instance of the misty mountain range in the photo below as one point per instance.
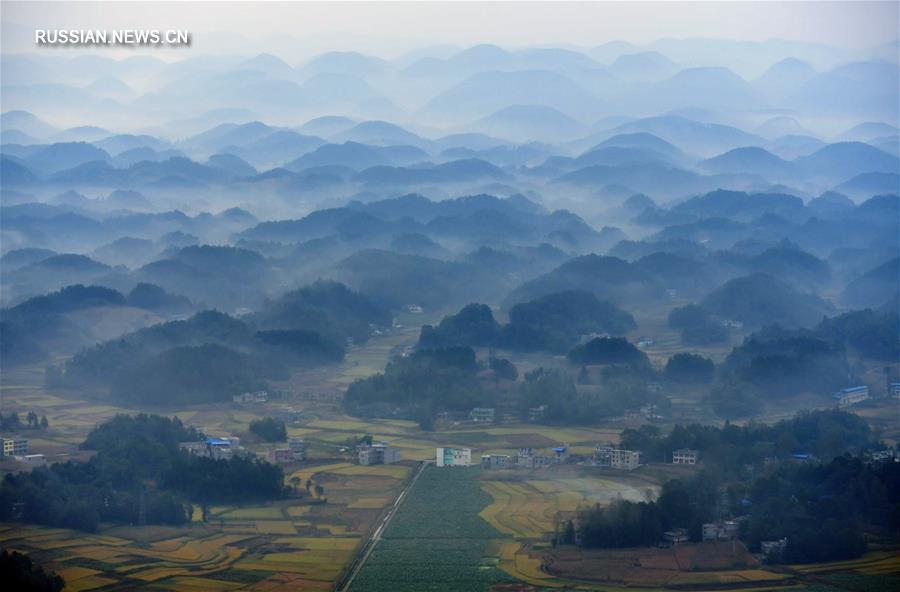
(644, 175)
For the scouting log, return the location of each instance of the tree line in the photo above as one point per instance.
(138, 475)
(825, 510)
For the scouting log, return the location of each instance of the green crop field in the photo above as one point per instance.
(437, 541)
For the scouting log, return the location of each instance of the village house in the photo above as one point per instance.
(298, 447)
(482, 415)
(685, 456)
(496, 461)
(453, 457)
(379, 453)
(37, 460)
(528, 459)
(14, 446)
(251, 398)
(614, 458)
(536, 413)
(280, 456)
(720, 531)
(851, 396)
(216, 448)
(773, 548)
(676, 535)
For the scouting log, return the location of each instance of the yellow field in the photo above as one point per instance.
(257, 513)
(204, 552)
(293, 544)
(303, 544)
(527, 508)
(318, 559)
(872, 563)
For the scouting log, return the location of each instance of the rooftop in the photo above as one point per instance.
(853, 389)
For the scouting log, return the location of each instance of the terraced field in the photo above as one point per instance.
(288, 545)
(92, 561)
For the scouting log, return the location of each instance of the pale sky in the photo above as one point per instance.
(387, 29)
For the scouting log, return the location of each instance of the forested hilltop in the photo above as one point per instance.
(605, 377)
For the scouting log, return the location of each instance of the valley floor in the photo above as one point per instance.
(307, 542)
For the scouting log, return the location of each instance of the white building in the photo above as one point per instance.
(851, 396)
(720, 531)
(379, 453)
(14, 446)
(281, 456)
(615, 458)
(217, 448)
(536, 413)
(883, 456)
(482, 415)
(37, 460)
(249, 398)
(453, 457)
(298, 447)
(528, 459)
(195, 448)
(685, 456)
(773, 548)
(677, 535)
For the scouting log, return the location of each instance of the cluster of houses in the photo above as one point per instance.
(604, 456)
(215, 448)
(251, 398)
(726, 530)
(526, 458)
(227, 447)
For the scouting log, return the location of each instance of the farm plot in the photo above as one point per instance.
(92, 561)
(292, 544)
(704, 564)
(526, 506)
(437, 541)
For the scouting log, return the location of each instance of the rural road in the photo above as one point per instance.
(367, 549)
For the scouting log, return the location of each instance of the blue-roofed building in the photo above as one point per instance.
(894, 389)
(213, 447)
(561, 453)
(851, 396)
